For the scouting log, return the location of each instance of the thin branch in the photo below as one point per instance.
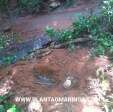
(74, 41)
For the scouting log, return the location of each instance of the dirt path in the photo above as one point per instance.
(30, 26)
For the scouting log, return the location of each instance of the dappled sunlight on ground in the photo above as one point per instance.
(102, 61)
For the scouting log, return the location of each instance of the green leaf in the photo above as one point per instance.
(14, 108)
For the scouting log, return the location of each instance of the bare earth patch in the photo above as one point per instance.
(77, 63)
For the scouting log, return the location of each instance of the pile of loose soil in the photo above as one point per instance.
(62, 63)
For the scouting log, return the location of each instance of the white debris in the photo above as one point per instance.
(70, 82)
(67, 83)
(35, 106)
(54, 4)
(6, 86)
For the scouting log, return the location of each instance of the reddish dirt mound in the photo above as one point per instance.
(62, 63)
(75, 64)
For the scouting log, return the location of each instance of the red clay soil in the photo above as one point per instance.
(77, 63)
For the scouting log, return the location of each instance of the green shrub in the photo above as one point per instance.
(104, 38)
(99, 28)
(59, 35)
(101, 36)
(68, 3)
(30, 5)
(7, 106)
(86, 26)
(3, 5)
(27, 5)
(103, 44)
(9, 59)
(81, 27)
(107, 9)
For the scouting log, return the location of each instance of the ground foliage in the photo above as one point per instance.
(98, 28)
(104, 88)
(6, 40)
(32, 6)
(3, 5)
(7, 106)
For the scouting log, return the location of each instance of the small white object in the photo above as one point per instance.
(67, 83)
(35, 106)
(54, 4)
(6, 86)
(70, 82)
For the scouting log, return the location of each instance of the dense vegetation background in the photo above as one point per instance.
(31, 5)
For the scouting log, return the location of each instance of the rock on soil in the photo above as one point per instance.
(70, 82)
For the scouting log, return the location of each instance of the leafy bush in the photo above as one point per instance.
(30, 5)
(7, 106)
(83, 26)
(107, 13)
(107, 8)
(86, 26)
(9, 59)
(104, 38)
(99, 28)
(27, 5)
(95, 27)
(103, 44)
(60, 35)
(68, 3)
(3, 5)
